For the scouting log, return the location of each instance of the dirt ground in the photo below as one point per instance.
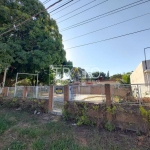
(21, 130)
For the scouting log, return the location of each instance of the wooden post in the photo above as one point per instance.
(66, 93)
(50, 104)
(108, 101)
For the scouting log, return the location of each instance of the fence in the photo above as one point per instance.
(122, 93)
(27, 92)
(88, 93)
(131, 93)
(102, 102)
(113, 114)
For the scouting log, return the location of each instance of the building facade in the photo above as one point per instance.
(141, 75)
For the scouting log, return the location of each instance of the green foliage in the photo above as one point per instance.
(122, 78)
(111, 110)
(5, 123)
(99, 74)
(65, 112)
(145, 113)
(126, 78)
(78, 74)
(17, 145)
(65, 144)
(29, 132)
(28, 104)
(107, 75)
(96, 107)
(83, 118)
(32, 47)
(110, 127)
(38, 145)
(116, 77)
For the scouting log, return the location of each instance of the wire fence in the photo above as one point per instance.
(89, 93)
(41, 92)
(130, 93)
(119, 93)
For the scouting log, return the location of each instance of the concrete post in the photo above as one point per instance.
(108, 96)
(24, 92)
(66, 93)
(5, 91)
(108, 101)
(50, 104)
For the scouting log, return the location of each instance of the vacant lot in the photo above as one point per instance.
(23, 131)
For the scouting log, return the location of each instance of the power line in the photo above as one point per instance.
(103, 15)
(31, 18)
(107, 27)
(62, 6)
(106, 14)
(83, 11)
(75, 10)
(66, 7)
(109, 38)
(46, 1)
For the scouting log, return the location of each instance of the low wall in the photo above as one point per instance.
(40, 105)
(123, 116)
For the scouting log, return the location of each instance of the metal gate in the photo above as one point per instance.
(58, 99)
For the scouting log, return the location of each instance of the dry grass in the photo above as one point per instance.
(23, 131)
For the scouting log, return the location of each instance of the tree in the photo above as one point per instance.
(108, 75)
(116, 77)
(31, 47)
(126, 78)
(98, 75)
(78, 74)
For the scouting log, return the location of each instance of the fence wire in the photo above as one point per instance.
(130, 93)
(91, 93)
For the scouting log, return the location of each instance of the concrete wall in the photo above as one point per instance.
(125, 117)
(137, 77)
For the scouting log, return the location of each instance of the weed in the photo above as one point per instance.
(38, 145)
(96, 107)
(83, 118)
(16, 145)
(64, 144)
(5, 123)
(145, 113)
(29, 132)
(109, 126)
(111, 110)
(65, 112)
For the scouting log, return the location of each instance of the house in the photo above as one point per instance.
(141, 75)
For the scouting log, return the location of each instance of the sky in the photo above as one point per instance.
(119, 55)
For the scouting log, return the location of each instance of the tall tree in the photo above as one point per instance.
(108, 75)
(32, 47)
